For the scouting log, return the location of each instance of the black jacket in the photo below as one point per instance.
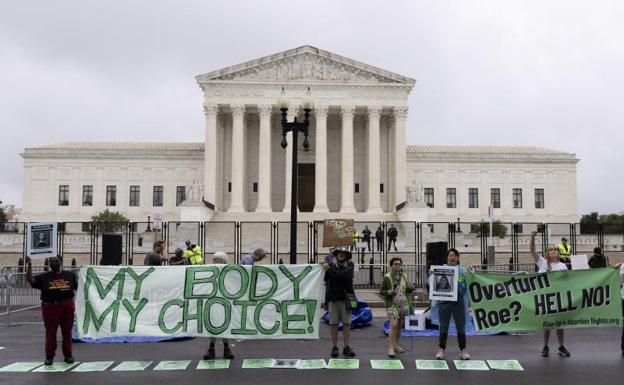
(340, 281)
(597, 260)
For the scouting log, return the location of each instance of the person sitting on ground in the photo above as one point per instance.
(598, 259)
(219, 258)
(397, 294)
(156, 257)
(339, 275)
(550, 263)
(256, 256)
(178, 258)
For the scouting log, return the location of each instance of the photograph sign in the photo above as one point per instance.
(443, 283)
(41, 240)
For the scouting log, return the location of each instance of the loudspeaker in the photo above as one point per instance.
(436, 253)
(111, 249)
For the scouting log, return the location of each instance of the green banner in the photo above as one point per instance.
(552, 300)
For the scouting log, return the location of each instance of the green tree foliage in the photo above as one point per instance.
(110, 221)
(483, 229)
(611, 223)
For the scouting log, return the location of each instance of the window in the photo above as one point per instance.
(429, 198)
(495, 198)
(539, 198)
(451, 198)
(158, 196)
(87, 195)
(517, 198)
(357, 188)
(63, 195)
(255, 187)
(180, 194)
(473, 198)
(381, 188)
(135, 196)
(111, 195)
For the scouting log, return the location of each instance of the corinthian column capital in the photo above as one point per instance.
(211, 109)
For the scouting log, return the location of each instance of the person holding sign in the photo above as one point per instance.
(219, 258)
(550, 263)
(339, 276)
(57, 306)
(455, 309)
(397, 294)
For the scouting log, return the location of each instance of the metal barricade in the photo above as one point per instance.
(506, 268)
(369, 276)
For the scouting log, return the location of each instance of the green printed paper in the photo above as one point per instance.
(505, 365)
(431, 365)
(96, 366)
(552, 300)
(471, 365)
(312, 364)
(130, 366)
(21, 367)
(343, 364)
(55, 367)
(387, 364)
(172, 365)
(214, 364)
(257, 363)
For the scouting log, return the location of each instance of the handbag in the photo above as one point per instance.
(351, 301)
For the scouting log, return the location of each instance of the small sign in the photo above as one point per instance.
(387, 364)
(579, 262)
(257, 363)
(41, 240)
(214, 364)
(343, 364)
(132, 366)
(505, 365)
(470, 365)
(443, 283)
(157, 224)
(285, 364)
(431, 365)
(56, 367)
(21, 367)
(96, 366)
(338, 232)
(312, 364)
(172, 365)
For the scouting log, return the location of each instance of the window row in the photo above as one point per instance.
(473, 198)
(111, 195)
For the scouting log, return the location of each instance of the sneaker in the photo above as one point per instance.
(463, 355)
(335, 352)
(48, 361)
(210, 354)
(545, 351)
(440, 354)
(348, 352)
(391, 353)
(399, 349)
(69, 360)
(563, 352)
(227, 353)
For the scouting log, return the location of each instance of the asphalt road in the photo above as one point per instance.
(596, 359)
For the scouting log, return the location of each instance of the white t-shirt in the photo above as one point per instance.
(542, 265)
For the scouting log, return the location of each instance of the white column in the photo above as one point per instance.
(400, 159)
(320, 183)
(374, 160)
(346, 205)
(210, 154)
(292, 112)
(238, 159)
(264, 159)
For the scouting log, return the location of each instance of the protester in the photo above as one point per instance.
(392, 237)
(598, 259)
(178, 258)
(550, 263)
(57, 306)
(397, 294)
(340, 280)
(219, 258)
(453, 309)
(329, 259)
(156, 257)
(256, 256)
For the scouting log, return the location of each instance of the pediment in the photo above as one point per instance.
(305, 64)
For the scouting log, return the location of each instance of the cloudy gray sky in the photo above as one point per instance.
(548, 73)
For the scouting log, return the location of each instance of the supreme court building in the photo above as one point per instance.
(358, 166)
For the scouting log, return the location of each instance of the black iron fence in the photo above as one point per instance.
(83, 243)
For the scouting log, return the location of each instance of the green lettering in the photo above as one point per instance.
(295, 280)
(288, 318)
(191, 280)
(255, 272)
(244, 281)
(163, 311)
(92, 277)
(258, 315)
(134, 312)
(138, 279)
(227, 310)
(243, 325)
(98, 321)
(197, 316)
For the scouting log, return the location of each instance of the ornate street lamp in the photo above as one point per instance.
(294, 127)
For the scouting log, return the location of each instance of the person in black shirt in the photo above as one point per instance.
(379, 236)
(392, 237)
(366, 237)
(57, 305)
(598, 259)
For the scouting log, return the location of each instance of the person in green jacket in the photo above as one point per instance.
(396, 291)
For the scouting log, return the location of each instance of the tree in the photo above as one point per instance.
(483, 229)
(611, 223)
(110, 221)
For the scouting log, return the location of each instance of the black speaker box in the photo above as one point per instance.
(436, 253)
(111, 249)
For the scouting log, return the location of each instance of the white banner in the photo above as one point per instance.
(231, 301)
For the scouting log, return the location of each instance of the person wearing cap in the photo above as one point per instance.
(193, 253)
(219, 258)
(564, 252)
(597, 260)
(57, 306)
(256, 256)
(339, 275)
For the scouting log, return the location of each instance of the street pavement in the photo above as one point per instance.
(596, 359)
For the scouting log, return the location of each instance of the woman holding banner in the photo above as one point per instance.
(550, 263)
(219, 258)
(397, 294)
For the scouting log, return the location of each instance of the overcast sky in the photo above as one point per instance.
(546, 73)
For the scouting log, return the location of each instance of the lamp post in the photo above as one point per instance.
(294, 127)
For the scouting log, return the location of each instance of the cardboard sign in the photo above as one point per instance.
(579, 262)
(443, 283)
(338, 232)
